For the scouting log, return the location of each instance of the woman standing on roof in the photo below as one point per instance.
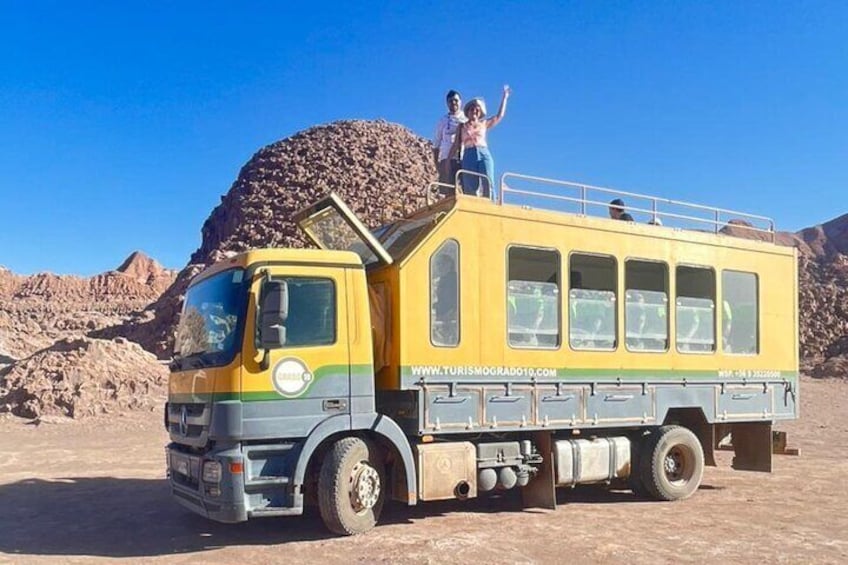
(471, 147)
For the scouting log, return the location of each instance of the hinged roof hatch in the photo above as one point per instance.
(330, 224)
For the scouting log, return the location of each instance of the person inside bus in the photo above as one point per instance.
(472, 148)
(616, 211)
(445, 136)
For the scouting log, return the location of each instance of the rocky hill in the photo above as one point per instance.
(40, 313)
(37, 310)
(378, 168)
(823, 304)
(79, 377)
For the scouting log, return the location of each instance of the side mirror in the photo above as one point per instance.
(273, 311)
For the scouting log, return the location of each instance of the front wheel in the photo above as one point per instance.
(351, 487)
(672, 462)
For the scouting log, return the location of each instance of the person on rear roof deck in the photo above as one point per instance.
(471, 146)
(616, 211)
(445, 135)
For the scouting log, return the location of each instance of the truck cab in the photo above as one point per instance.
(273, 360)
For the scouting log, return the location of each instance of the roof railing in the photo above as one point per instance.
(456, 188)
(582, 199)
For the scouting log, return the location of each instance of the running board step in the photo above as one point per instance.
(266, 482)
(274, 511)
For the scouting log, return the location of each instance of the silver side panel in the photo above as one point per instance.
(477, 406)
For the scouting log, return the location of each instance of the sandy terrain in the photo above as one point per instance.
(95, 491)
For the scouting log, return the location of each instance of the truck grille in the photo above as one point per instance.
(188, 423)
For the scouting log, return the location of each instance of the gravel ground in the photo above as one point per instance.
(93, 491)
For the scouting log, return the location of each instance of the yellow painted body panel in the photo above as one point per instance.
(244, 374)
(306, 256)
(484, 231)
(257, 380)
(197, 385)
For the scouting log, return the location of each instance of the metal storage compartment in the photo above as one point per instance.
(447, 470)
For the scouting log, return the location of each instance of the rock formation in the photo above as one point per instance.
(823, 301)
(40, 313)
(381, 171)
(83, 377)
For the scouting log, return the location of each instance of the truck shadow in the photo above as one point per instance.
(115, 517)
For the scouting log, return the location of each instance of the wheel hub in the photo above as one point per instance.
(364, 487)
(673, 465)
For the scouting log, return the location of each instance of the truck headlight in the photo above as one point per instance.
(211, 472)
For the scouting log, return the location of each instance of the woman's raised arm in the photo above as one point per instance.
(493, 121)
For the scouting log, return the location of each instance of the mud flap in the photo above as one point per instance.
(541, 491)
(752, 446)
(707, 436)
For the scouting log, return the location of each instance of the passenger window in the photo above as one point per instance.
(695, 312)
(739, 313)
(312, 312)
(591, 302)
(533, 298)
(444, 295)
(645, 306)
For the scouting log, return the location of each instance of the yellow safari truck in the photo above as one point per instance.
(479, 346)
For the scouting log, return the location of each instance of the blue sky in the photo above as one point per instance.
(122, 124)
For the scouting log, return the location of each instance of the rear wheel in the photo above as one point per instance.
(672, 463)
(351, 487)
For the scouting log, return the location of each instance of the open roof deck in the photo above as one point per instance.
(588, 200)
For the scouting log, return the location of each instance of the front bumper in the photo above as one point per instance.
(222, 501)
(261, 488)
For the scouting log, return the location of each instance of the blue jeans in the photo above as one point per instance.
(478, 160)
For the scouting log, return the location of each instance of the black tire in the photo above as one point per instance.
(672, 463)
(351, 487)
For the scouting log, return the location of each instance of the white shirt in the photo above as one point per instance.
(446, 131)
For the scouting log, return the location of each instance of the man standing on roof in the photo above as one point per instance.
(616, 211)
(445, 134)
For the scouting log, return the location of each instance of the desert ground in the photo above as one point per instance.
(94, 491)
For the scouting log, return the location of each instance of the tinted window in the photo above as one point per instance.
(695, 310)
(739, 327)
(645, 306)
(444, 295)
(533, 298)
(591, 302)
(312, 312)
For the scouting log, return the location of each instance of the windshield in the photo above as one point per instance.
(210, 317)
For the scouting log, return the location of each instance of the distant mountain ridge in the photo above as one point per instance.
(37, 310)
(826, 240)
